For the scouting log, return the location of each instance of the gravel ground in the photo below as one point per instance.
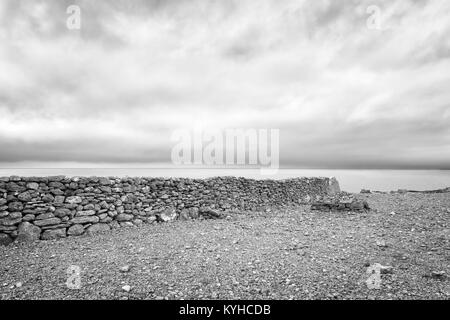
(290, 253)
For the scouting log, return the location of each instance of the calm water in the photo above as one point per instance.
(349, 180)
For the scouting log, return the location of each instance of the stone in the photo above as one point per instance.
(48, 198)
(340, 202)
(386, 269)
(124, 269)
(5, 239)
(99, 227)
(75, 230)
(33, 185)
(53, 234)
(15, 215)
(28, 217)
(106, 220)
(47, 222)
(357, 205)
(43, 216)
(59, 199)
(28, 232)
(7, 229)
(25, 196)
(89, 206)
(126, 288)
(333, 186)
(85, 213)
(85, 219)
(56, 185)
(438, 274)
(4, 214)
(15, 206)
(126, 224)
(114, 224)
(184, 215)
(14, 187)
(74, 200)
(104, 181)
(209, 213)
(124, 217)
(365, 191)
(62, 212)
(381, 243)
(193, 212)
(56, 226)
(151, 219)
(167, 215)
(7, 221)
(102, 216)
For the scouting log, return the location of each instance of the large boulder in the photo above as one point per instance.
(53, 234)
(28, 232)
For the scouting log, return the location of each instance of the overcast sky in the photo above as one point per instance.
(343, 93)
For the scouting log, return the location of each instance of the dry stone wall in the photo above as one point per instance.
(33, 208)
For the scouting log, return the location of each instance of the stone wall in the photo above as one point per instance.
(34, 208)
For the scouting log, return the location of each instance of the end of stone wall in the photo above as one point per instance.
(333, 186)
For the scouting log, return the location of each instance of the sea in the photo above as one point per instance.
(349, 179)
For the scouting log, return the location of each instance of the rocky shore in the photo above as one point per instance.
(286, 253)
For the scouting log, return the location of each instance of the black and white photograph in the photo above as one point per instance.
(200, 151)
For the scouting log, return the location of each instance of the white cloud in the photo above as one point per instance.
(313, 69)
